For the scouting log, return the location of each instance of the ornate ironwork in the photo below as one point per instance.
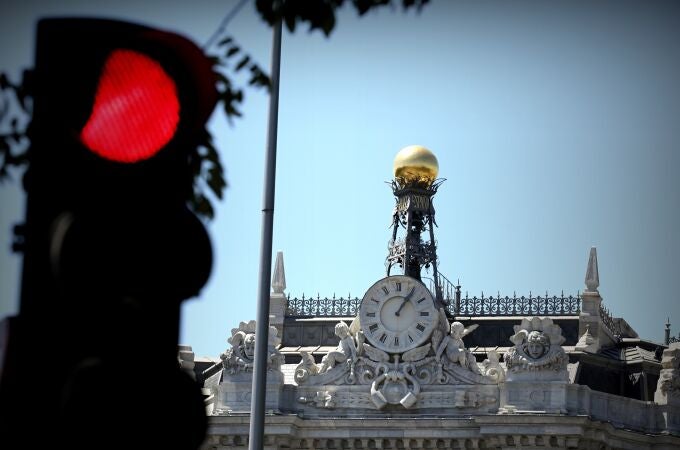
(467, 306)
(673, 339)
(414, 213)
(516, 306)
(322, 307)
(422, 251)
(609, 321)
(448, 291)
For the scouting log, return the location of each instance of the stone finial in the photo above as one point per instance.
(279, 277)
(585, 343)
(592, 273)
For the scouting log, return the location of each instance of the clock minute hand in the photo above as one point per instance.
(406, 299)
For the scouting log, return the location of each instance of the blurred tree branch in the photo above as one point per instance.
(229, 61)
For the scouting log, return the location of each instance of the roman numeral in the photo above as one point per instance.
(396, 341)
(420, 327)
(424, 313)
(371, 314)
(409, 338)
(373, 327)
(374, 300)
(421, 300)
(398, 285)
(383, 338)
(385, 290)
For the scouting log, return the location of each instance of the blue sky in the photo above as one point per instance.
(556, 125)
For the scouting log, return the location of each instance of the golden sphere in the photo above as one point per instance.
(416, 163)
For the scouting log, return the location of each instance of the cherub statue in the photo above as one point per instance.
(345, 350)
(537, 352)
(241, 355)
(454, 348)
(537, 344)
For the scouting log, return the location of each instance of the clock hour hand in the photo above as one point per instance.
(406, 299)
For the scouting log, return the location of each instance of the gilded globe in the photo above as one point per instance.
(416, 163)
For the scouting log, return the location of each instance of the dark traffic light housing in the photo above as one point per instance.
(111, 248)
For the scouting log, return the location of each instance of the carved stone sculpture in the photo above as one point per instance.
(586, 342)
(306, 368)
(492, 367)
(453, 347)
(668, 386)
(241, 356)
(231, 386)
(320, 399)
(397, 379)
(537, 353)
(346, 349)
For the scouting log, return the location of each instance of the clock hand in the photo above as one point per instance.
(406, 299)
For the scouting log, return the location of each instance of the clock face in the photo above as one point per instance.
(397, 314)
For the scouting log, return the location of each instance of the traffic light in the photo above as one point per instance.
(111, 248)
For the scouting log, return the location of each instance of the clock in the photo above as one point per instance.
(398, 314)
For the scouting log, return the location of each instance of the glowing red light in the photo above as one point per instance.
(136, 109)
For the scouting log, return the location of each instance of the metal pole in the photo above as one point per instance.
(259, 387)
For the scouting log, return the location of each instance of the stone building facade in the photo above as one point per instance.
(416, 365)
(572, 377)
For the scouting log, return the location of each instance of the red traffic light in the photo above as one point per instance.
(136, 109)
(111, 248)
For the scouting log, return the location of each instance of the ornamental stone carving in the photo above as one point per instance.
(537, 354)
(232, 386)
(668, 386)
(346, 350)
(453, 348)
(492, 367)
(320, 399)
(440, 374)
(241, 356)
(306, 367)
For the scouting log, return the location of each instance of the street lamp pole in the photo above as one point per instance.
(259, 387)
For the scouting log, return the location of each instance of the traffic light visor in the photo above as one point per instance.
(136, 109)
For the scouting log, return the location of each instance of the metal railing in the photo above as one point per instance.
(609, 322)
(466, 306)
(516, 306)
(322, 307)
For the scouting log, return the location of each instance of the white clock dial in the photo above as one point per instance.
(397, 314)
